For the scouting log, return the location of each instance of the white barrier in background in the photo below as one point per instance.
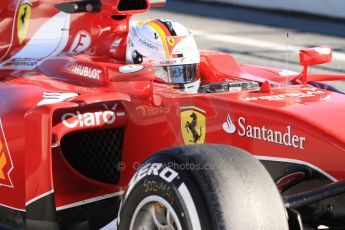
(329, 8)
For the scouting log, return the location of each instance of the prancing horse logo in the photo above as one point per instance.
(23, 19)
(193, 125)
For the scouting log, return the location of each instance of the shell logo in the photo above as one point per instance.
(6, 165)
(3, 161)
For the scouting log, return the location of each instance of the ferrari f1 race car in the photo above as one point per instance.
(86, 138)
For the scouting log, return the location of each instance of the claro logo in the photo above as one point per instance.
(99, 118)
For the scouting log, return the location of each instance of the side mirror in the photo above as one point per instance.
(310, 57)
(315, 56)
(157, 3)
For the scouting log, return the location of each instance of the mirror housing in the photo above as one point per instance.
(310, 57)
(157, 3)
(315, 56)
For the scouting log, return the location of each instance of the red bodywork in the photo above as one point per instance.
(60, 74)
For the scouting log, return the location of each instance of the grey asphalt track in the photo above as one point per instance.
(254, 36)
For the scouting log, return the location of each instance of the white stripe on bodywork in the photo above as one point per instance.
(17, 209)
(91, 200)
(39, 197)
(294, 161)
(188, 200)
(49, 40)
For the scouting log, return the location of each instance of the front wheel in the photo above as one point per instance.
(202, 187)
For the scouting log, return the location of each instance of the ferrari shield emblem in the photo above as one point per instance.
(171, 41)
(6, 165)
(23, 19)
(193, 125)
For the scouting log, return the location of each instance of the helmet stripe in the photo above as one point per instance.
(169, 31)
(162, 34)
(169, 27)
(163, 26)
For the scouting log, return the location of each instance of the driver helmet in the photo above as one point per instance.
(170, 48)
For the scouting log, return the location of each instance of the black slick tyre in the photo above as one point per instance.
(202, 187)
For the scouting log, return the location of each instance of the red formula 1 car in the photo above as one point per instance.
(86, 138)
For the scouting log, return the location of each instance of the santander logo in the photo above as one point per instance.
(229, 126)
(286, 137)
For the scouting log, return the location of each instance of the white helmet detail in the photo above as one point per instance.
(169, 47)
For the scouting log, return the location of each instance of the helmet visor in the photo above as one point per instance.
(178, 74)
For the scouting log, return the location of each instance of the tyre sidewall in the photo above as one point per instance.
(172, 183)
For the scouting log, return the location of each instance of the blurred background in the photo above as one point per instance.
(265, 32)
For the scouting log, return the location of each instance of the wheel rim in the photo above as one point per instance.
(155, 212)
